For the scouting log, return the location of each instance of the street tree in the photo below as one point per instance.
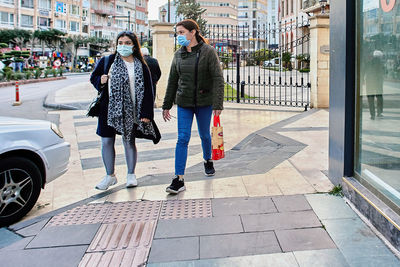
(190, 9)
(52, 38)
(15, 36)
(75, 42)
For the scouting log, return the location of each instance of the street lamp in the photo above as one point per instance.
(323, 3)
(163, 13)
(122, 16)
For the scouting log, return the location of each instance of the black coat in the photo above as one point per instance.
(154, 69)
(147, 110)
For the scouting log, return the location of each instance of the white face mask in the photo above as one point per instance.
(125, 50)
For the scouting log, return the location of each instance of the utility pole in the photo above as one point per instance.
(169, 11)
(129, 20)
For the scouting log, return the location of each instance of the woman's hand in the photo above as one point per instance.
(217, 112)
(103, 78)
(145, 120)
(166, 115)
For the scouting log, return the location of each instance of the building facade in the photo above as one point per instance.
(364, 152)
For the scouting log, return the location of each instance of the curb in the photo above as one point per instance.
(49, 102)
(5, 84)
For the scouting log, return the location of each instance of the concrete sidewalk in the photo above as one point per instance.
(266, 206)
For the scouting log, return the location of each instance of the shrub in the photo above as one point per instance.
(304, 70)
(60, 72)
(47, 72)
(9, 75)
(37, 73)
(54, 72)
(18, 76)
(28, 74)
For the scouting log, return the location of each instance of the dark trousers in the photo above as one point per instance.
(371, 104)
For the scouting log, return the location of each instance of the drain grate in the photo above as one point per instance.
(133, 211)
(131, 257)
(123, 236)
(86, 214)
(186, 208)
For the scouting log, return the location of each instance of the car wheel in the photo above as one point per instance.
(20, 184)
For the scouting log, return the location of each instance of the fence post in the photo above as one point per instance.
(237, 76)
(163, 51)
(319, 61)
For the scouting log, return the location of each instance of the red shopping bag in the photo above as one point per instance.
(217, 140)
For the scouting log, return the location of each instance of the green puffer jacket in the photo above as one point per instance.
(182, 79)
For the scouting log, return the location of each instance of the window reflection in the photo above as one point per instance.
(378, 129)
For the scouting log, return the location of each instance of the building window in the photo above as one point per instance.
(85, 28)
(43, 22)
(60, 24)
(377, 149)
(6, 18)
(27, 3)
(74, 10)
(26, 21)
(7, 2)
(45, 4)
(74, 26)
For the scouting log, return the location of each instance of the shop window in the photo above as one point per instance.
(377, 149)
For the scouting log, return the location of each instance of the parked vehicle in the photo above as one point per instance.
(274, 62)
(32, 153)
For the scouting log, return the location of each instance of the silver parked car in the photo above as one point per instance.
(32, 153)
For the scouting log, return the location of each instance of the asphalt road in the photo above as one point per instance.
(32, 97)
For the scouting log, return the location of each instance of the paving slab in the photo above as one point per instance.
(67, 235)
(174, 249)
(318, 258)
(236, 206)
(8, 237)
(60, 257)
(304, 239)
(275, 221)
(330, 207)
(291, 203)
(198, 226)
(220, 246)
(18, 245)
(33, 229)
(267, 260)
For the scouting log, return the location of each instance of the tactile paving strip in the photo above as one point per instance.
(123, 258)
(86, 214)
(133, 211)
(186, 208)
(123, 236)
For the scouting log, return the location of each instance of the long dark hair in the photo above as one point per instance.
(136, 44)
(190, 25)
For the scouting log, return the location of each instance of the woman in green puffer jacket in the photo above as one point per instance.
(196, 84)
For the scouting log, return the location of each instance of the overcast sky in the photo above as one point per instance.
(153, 8)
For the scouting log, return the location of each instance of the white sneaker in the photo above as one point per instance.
(131, 180)
(107, 181)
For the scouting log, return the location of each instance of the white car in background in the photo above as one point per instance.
(32, 153)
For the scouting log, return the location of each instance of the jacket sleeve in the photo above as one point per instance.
(217, 80)
(96, 74)
(172, 87)
(157, 70)
(147, 110)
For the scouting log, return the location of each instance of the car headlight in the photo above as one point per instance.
(56, 130)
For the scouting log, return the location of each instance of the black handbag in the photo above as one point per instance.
(94, 107)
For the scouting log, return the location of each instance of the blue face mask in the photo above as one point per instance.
(182, 40)
(125, 50)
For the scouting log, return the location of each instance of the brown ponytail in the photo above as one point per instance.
(190, 25)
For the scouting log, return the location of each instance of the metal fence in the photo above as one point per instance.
(267, 64)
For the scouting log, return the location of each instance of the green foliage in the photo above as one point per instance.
(7, 69)
(50, 37)
(225, 58)
(286, 56)
(54, 72)
(3, 45)
(304, 70)
(47, 72)
(190, 9)
(37, 73)
(8, 36)
(264, 54)
(9, 75)
(60, 72)
(18, 76)
(28, 74)
(337, 191)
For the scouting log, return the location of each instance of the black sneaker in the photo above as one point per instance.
(209, 167)
(176, 186)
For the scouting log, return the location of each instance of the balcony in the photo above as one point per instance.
(103, 11)
(313, 5)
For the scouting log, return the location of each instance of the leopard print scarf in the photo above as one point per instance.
(122, 111)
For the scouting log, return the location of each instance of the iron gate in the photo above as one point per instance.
(267, 65)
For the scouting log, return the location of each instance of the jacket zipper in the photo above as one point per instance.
(195, 77)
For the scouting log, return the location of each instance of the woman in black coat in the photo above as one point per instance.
(126, 107)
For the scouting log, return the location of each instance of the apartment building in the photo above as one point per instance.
(141, 18)
(220, 12)
(69, 16)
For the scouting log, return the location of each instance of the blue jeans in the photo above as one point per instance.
(185, 120)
